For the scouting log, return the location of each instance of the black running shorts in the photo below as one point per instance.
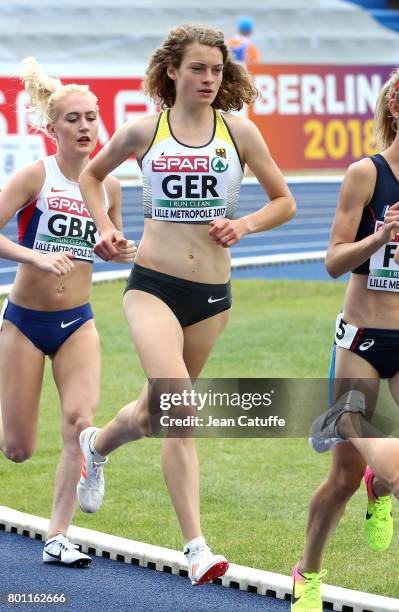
(191, 302)
(380, 347)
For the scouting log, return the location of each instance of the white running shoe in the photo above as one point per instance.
(203, 565)
(90, 489)
(60, 550)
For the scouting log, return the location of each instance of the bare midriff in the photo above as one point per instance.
(183, 250)
(367, 308)
(45, 291)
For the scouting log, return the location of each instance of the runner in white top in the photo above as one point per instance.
(57, 220)
(191, 184)
(48, 311)
(178, 297)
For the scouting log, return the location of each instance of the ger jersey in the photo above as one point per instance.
(190, 184)
(58, 220)
(382, 271)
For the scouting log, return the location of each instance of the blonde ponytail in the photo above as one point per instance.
(46, 92)
(39, 87)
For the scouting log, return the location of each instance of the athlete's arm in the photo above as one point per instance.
(21, 189)
(357, 188)
(128, 251)
(123, 144)
(114, 195)
(281, 208)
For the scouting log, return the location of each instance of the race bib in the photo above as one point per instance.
(66, 226)
(189, 187)
(384, 272)
(344, 332)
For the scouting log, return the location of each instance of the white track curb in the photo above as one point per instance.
(173, 561)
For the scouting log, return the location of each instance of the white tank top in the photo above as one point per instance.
(190, 184)
(58, 220)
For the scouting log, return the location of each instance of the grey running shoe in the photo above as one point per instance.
(324, 433)
(90, 489)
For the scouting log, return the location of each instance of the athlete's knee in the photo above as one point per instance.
(141, 421)
(344, 483)
(73, 423)
(18, 453)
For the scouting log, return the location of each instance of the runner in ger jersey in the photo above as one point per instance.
(191, 184)
(178, 297)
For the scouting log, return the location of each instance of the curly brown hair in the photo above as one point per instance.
(235, 89)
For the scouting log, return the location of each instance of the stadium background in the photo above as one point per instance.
(323, 62)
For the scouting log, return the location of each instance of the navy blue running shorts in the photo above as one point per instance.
(379, 347)
(46, 330)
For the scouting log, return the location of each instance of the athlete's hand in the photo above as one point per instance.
(111, 240)
(387, 232)
(127, 253)
(57, 263)
(390, 228)
(227, 232)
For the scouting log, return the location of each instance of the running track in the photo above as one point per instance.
(112, 585)
(308, 231)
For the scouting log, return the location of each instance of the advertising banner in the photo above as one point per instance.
(313, 117)
(317, 116)
(120, 99)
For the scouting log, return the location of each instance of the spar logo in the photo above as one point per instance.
(219, 165)
(181, 163)
(68, 205)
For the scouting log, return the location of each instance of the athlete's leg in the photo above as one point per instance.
(380, 453)
(379, 489)
(164, 348)
(199, 340)
(168, 352)
(131, 422)
(124, 427)
(159, 341)
(328, 503)
(21, 377)
(179, 455)
(348, 466)
(76, 370)
(158, 338)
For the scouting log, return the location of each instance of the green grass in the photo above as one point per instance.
(255, 492)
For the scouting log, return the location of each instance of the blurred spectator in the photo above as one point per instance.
(241, 46)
